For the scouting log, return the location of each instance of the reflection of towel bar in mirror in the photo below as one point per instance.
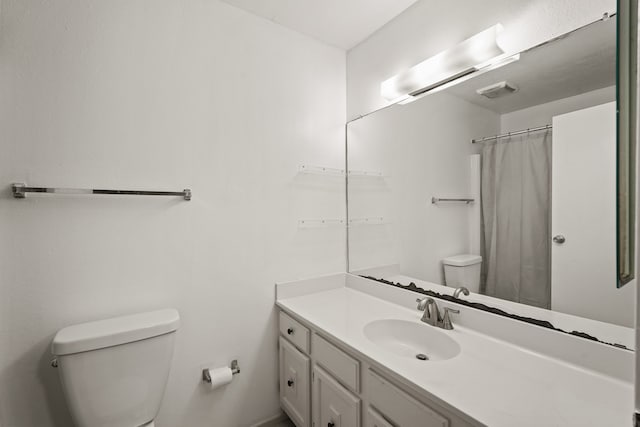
(436, 200)
(20, 191)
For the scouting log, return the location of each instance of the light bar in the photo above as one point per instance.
(474, 54)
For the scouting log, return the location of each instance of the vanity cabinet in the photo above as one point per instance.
(333, 405)
(398, 407)
(375, 419)
(294, 383)
(295, 332)
(324, 384)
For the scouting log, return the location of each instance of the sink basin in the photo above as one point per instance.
(412, 340)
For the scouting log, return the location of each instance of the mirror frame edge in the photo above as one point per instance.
(626, 122)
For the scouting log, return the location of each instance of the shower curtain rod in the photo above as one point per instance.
(508, 134)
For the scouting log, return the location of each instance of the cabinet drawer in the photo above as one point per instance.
(295, 332)
(398, 407)
(294, 383)
(333, 405)
(334, 360)
(374, 419)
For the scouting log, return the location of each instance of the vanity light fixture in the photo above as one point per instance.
(477, 54)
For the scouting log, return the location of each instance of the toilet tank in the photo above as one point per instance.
(463, 270)
(114, 371)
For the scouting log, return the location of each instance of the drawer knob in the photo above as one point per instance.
(290, 383)
(290, 331)
(331, 424)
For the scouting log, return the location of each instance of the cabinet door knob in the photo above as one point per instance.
(290, 331)
(331, 424)
(559, 239)
(290, 383)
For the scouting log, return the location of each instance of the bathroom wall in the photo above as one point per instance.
(158, 94)
(540, 115)
(423, 150)
(428, 27)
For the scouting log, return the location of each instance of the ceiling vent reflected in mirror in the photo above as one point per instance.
(497, 90)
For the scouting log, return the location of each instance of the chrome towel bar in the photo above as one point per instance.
(436, 200)
(20, 191)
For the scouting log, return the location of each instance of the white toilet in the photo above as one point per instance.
(114, 371)
(463, 270)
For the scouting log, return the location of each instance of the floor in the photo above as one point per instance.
(286, 423)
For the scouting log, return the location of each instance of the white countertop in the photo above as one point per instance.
(494, 382)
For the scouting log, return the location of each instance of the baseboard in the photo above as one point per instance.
(272, 421)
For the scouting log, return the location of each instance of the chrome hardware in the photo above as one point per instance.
(235, 369)
(446, 321)
(54, 363)
(436, 200)
(508, 134)
(458, 291)
(20, 190)
(432, 314)
(290, 331)
(206, 373)
(559, 239)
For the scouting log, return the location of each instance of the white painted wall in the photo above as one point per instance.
(424, 149)
(430, 26)
(157, 94)
(540, 115)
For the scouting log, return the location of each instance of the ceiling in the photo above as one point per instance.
(340, 23)
(582, 61)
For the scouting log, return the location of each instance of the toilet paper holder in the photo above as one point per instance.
(206, 375)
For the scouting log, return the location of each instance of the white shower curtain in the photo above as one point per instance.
(516, 216)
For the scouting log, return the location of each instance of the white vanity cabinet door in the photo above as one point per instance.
(333, 405)
(374, 419)
(400, 408)
(295, 332)
(336, 362)
(294, 383)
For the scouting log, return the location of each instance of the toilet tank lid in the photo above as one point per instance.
(115, 331)
(462, 260)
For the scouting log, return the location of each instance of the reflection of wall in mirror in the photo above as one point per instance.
(424, 149)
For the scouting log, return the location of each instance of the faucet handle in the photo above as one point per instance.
(446, 320)
(422, 303)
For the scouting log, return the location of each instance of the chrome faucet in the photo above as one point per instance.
(432, 315)
(458, 291)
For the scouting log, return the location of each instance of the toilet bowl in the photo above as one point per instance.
(114, 372)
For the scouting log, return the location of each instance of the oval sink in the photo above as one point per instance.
(412, 340)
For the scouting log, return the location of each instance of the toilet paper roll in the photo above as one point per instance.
(220, 377)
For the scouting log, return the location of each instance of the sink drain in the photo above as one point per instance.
(421, 356)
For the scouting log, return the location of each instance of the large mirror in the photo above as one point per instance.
(504, 184)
